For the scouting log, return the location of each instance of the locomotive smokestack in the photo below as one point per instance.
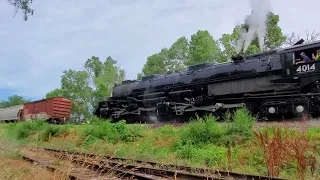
(237, 58)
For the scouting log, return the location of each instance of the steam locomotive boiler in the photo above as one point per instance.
(270, 84)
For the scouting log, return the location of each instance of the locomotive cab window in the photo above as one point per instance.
(307, 56)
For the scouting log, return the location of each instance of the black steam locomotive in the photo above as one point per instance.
(270, 84)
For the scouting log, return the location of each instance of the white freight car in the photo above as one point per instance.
(12, 114)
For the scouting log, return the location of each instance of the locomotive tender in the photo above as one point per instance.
(269, 84)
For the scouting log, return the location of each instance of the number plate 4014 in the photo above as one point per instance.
(306, 68)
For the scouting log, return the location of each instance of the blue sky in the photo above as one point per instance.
(64, 34)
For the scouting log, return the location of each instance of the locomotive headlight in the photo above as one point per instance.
(299, 109)
(271, 110)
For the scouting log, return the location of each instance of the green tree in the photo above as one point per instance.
(103, 77)
(13, 101)
(139, 76)
(172, 59)
(274, 38)
(228, 41)
(94, 67)
(75, 86)
(55, 93)
(86, 88)
(177, 55)
(203, 48)
(155, 64)
(22, 5)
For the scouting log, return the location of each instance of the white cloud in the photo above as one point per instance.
(63, 34)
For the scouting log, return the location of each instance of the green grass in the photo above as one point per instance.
(21, 132)
(203, 142)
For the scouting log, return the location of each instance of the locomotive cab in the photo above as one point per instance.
(298, 59)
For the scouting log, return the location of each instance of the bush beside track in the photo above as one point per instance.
(204, 142)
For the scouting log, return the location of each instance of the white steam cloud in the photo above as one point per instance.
(257, 23)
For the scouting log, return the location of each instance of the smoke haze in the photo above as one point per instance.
(257, 23)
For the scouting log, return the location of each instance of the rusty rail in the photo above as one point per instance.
(142, 170)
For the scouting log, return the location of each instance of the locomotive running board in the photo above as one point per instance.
(181, 108)
(212, 108)
(122, 112)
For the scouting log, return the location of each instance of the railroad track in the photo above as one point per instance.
(128, 168)
(74, 172)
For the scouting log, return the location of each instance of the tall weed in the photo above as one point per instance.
(281, 148)
(52, 130)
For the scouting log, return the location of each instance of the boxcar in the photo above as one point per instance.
(55, 110)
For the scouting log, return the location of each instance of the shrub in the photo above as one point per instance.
(25, 129)
(242, 123)
(111, 132)
(202, 131)
(207, 130)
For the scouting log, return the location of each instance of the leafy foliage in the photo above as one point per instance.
(105, 81)
(24, 130)
(87, 87)
(207, 130)
(275, 37)
(242, 123)
(203, 48)
(13, 101)
(75, 86)
(110, 132)
(155, 64)
(202, 131)
(178, 54)
(172, 59)
(55, 93)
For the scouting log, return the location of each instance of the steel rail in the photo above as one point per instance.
(181, 172)
(136, 171)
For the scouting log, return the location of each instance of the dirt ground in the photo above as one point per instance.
(64, 167)
(297, 124)
(11, 168)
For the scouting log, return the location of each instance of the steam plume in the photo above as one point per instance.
(257, 23)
